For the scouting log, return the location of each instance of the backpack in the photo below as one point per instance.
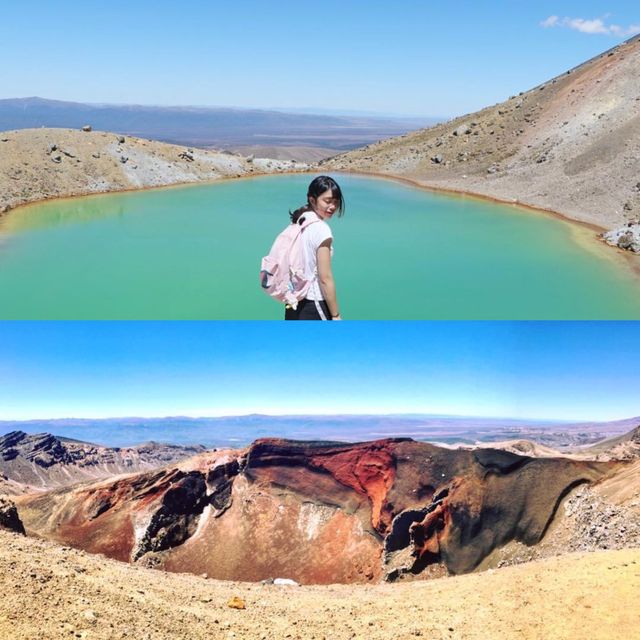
(282, 271)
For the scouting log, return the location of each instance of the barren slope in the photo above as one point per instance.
(570, 145)
(336, 512)
(55, 592)
(36, 164)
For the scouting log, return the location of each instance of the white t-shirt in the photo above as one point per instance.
(312, 237)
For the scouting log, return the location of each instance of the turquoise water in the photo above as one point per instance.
(400, 253)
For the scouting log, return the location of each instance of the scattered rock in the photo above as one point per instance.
(186, 155)
(95, 155)
(437, 159)
(124, 159)
(121, 139)
(236, 603)
(625, 241)
(52, 148)
(285, 582)
(462, 130)
(87, 127)
(90, 615)
(627, 237)
(57, 158)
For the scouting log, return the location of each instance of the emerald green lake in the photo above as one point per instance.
(400, 253)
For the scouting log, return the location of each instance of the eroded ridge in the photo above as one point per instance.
(317, 512)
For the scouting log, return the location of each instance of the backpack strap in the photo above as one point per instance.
(307, 218)
(304, 221)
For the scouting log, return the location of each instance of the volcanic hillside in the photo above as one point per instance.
(36, 164)
(43, 461)
(317, 512)
(570, 145)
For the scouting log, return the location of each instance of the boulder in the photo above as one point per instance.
(462, 130)
(87, 128)
(627, 237)
(236, 603)
(9, 518)
(285, 582)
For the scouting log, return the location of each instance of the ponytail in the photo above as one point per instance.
(295, 216)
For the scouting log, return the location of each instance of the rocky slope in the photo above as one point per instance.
(43, 461)
(55, 592)
(620, 447)
(570, 145)
(36, 164)
(335, 512)
(624, 447)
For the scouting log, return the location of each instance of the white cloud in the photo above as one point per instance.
(551, 21)
(597, 26)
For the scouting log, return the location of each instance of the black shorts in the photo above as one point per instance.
(307, 310)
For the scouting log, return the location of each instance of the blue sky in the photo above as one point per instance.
(408, 57)
(556, 370)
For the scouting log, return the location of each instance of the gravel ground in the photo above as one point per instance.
(56, 592)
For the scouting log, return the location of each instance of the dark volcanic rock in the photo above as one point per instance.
(177, 518)
(220, 481)
(9, 518)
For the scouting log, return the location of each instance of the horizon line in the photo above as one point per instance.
(413, 414)
(309, 111)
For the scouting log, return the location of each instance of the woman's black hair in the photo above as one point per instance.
(317, 187)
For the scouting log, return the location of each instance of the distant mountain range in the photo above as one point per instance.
(225, 128)
(238, 431)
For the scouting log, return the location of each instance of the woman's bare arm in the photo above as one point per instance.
(325, 277)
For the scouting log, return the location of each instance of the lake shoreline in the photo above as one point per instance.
(159, 166)
(632, 259)
(551, 257)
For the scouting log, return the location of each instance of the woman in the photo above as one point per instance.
(324, 199)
